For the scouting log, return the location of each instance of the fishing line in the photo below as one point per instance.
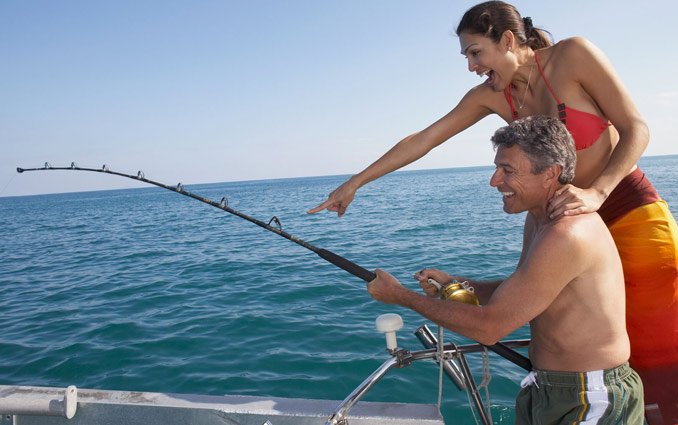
(329, 256)
(10, 181)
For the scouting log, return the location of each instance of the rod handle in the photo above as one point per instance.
(511, 355)
(347, 265)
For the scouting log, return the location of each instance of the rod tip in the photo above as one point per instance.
(19, 170)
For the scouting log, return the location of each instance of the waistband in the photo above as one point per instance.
(633, 191)
(588, 380)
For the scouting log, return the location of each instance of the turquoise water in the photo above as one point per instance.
(146, 290)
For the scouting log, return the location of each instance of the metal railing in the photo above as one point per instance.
(459, 374)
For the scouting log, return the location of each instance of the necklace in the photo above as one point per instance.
(527, 87)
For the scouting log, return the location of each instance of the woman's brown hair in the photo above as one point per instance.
(493, 18)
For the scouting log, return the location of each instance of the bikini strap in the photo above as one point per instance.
(562, 109)
(544, 77)
(507, 93)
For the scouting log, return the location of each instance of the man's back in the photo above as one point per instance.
(583, 328)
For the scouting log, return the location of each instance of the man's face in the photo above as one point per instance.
(521, 189)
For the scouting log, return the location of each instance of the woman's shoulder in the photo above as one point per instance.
(566, 52)
(571, 48)
(488, 100)
(482, 94)
(573, 43)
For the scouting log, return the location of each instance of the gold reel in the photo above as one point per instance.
(460, 292)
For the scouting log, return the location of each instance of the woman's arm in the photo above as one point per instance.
(595, 74)
(471, 109)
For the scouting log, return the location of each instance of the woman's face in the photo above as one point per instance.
(487, 59)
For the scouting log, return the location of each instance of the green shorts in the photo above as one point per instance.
(612, 396)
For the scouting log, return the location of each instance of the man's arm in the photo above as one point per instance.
(484, 289)
(551, 262)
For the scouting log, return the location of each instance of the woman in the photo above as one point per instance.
(527, 75)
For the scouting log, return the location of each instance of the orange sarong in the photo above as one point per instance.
(647, 241)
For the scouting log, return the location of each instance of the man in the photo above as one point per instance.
(568, 285)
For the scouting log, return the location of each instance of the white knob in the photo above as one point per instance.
(389, 323)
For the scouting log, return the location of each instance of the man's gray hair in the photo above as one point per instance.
(546, 142)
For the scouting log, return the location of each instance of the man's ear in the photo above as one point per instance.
(552, 174)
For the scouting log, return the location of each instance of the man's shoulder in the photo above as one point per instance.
(580, 225)
(574, 232)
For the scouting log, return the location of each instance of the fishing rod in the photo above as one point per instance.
(333, 258)
(329, 256)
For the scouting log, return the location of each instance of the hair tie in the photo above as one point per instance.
(527, 21)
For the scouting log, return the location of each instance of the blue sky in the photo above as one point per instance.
(214, 91)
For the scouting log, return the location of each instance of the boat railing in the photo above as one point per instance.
(459, 372)
(47, 402)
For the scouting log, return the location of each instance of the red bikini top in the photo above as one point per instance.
(584, 127)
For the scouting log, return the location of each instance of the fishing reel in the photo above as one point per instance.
(456, 291)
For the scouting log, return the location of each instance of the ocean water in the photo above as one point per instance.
(146, 290)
